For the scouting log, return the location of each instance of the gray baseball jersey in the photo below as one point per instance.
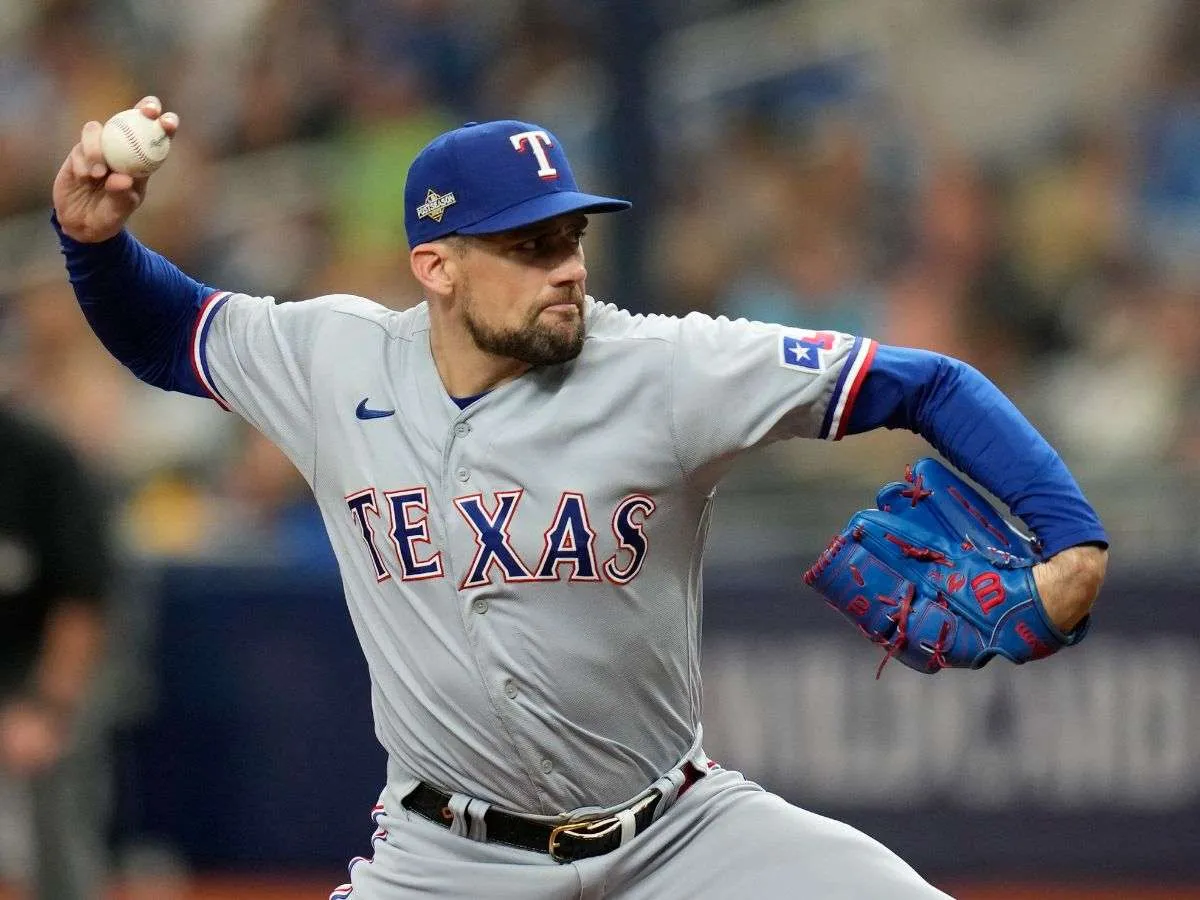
(524, 574)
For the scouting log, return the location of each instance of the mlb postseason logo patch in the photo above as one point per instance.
(435, 205)
(804, 350)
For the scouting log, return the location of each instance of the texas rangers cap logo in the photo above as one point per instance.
(435, 205)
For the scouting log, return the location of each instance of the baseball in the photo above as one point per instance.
(134, 144)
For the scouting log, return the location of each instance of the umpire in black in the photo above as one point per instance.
(56, 565)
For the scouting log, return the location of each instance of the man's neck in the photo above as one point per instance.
(466, 370)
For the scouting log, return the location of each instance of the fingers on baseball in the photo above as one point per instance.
(80, 167)
(93, 162)
(150, 106)
(116, 182)
(84, 169)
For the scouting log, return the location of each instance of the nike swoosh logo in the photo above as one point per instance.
(364, 413)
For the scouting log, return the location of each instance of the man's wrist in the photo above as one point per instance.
(1068, 583)
(68, 240)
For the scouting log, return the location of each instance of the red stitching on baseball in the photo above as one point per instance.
(133, 142)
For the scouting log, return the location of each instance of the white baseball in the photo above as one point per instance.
(134, 144)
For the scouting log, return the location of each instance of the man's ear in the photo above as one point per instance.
(433, 266)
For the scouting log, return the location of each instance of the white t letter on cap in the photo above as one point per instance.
(537, 140)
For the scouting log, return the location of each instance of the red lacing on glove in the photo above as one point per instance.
(900, 638)
(979, 517)
(925, 554)
(937, 651)
(824, 559)
(918, 491)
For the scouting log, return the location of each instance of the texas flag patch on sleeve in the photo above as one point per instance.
(805, 350)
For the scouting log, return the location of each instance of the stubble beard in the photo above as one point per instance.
(535, 342)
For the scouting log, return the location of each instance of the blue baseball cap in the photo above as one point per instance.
(492, 176)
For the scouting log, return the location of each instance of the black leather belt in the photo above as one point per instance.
(565, 843)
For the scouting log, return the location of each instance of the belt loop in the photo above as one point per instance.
(458, 806)
(476, 824)
(628, 826)
(668, 785)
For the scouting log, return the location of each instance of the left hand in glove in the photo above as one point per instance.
(940, 579)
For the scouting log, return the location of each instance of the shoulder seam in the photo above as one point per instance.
(354, 314)
(629, 337)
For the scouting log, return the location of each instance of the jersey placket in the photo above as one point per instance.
(466, 485)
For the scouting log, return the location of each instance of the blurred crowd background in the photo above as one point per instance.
(1012, 182)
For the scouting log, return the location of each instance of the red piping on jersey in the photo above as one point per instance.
(195, 349)
(854, 389)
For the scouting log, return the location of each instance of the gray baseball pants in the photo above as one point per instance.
(724, 838)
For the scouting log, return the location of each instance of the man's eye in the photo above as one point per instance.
(544, 243)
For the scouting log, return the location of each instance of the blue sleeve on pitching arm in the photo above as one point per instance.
(976, 427)
(140, 305)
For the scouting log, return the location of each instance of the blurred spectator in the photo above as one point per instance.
(1119, 398)
(122, 427)
(292, 85)
(957, 292)
(437, 38)
(1070, 210)
(995, 79)
(1167, 163)
(728, 223)
(56, 74)
(55, 571)
(812, 268)
(268, 510)
(813, 277)
(546, 70)
(389, 118)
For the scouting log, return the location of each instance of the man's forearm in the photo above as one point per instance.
(140, 305)
(978, 429)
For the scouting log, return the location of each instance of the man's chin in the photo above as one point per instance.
(556, 345)
(555, 354)
(549, 340)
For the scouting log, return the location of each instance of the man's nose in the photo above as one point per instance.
(570, 271)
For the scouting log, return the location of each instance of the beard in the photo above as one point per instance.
(534, 342)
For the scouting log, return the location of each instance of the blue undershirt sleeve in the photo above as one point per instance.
(977, 428)
(140, 305)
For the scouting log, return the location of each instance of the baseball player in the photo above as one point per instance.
(517, 480)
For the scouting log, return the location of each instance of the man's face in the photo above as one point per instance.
(521, 292)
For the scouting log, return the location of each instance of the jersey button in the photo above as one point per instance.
(480, 606)
(462, 474)
(462, 429)
(547, 766)
(510, 689)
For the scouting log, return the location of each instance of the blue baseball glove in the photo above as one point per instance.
(938, 577)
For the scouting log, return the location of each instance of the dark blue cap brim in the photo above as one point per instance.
(542, 207)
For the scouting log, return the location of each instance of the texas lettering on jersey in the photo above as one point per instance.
(569, 541)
